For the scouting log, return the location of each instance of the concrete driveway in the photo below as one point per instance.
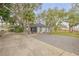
(70, 44)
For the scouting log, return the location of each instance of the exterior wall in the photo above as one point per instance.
(47, 30)
(3, 26)
(65, 29)
(42, 29)
(76, 28)
(38, 29)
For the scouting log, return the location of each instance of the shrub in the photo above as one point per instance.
(16, 29)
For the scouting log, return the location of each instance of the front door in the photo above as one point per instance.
(33, 29)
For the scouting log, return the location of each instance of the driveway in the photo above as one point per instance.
(70, 44)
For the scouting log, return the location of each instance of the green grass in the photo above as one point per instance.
(72, 34)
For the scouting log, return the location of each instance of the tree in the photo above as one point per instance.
(73, 16)
(29, 15)
(5, 13)
(53, 17)
(59, 17)
(22, 13)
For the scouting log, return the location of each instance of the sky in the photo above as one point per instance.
(46, 6)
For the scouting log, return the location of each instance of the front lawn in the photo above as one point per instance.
(73, 34)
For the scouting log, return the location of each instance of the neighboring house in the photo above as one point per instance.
(3, 25)
(65, 26)
(76, 27)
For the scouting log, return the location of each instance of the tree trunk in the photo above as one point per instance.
(28, 26)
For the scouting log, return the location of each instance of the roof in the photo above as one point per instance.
(37, 25)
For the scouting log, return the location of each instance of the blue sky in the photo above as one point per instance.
(46, 6)
(66, 6)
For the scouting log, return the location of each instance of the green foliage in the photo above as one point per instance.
(21, 13)
(52, 17)
(16, 29)
(4, 12)
(29, 16)
(73, 19)
(24, 13)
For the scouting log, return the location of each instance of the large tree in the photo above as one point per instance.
(73, 16)
(22, 14)
(4, 13)
(53, 17)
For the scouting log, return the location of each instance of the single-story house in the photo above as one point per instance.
(65, 26)
(38, 28)
(76, 27)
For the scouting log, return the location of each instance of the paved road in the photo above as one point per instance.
(64, 42)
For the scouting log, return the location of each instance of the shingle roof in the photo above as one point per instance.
(37, 25)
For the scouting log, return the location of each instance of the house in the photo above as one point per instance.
(39, 28)
(2, 24)
(76, 27)
(65, 26)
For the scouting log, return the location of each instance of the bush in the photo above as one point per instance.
(16, 29)
(11, 30)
